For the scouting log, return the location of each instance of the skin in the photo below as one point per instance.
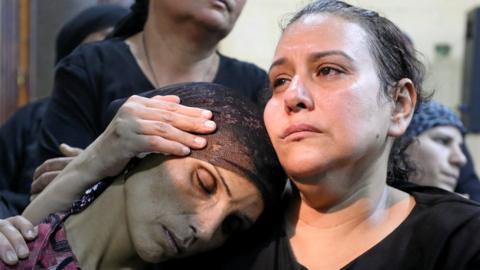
(332, 129)
(179, 52)
(196, 209)
(438, 157)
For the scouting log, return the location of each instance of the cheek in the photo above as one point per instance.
(273, 117)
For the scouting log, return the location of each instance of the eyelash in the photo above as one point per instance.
(320, 72)
(203, 186)
(443, 140)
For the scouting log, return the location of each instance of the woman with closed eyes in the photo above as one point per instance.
(163, 207)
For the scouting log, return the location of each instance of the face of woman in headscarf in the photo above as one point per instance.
(438, 157)
(218, 15)
(180, 206)
(327, 110)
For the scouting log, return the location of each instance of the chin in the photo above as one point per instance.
(303, 166)
(150, 255)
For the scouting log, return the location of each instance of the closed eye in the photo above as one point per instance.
(207, 183)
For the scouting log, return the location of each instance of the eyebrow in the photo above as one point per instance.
(224, 182)
(312, 57)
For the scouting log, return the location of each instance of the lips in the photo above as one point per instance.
(223, 3)
(173, 241)
(297, 128)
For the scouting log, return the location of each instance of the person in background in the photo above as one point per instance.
(433, 145)
(468, 182)
(18, 135)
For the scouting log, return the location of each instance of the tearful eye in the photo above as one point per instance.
(279, 82)
(206, 181)
(326, 71)
(232, 224)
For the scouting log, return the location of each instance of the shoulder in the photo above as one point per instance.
(440, 204)
(95, 53)
(247, 78)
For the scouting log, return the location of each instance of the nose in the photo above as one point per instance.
(209, 222)
(457, 157)
(297, 97)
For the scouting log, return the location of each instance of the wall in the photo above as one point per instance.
(428, 22)
(47, 17)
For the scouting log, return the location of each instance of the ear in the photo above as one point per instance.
(404, 98)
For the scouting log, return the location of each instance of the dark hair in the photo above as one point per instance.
(88, 21)
(134, 22)
(395, 59)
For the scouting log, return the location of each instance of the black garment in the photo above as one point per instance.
(17, 148)
(468, 181)
(441, 232)
(95, 74)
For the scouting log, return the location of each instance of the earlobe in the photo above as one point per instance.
(404, 98)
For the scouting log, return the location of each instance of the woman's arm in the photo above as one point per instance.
(141, 125)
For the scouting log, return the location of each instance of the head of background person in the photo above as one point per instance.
(91, 24)
(433, 143)
(344, 83)
(215, 17)
(177, 206)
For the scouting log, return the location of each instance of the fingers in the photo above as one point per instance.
(42, 182)
(158, 102)
(173, 138)
(54, 164)
(69, 151)
(46, 172)
(12, 243)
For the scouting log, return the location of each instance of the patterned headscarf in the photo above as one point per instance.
(240, 143)
(431, 114)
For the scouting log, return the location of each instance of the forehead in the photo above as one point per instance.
(317, 32)
(449, 131)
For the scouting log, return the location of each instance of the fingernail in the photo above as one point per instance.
(200, 140)
(22, 251)
(186, 150)
(210, 124)
(207, 113)
(29, 233)
(11, 256)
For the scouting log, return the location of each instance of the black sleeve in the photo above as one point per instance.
(72, 115)
(18, 145)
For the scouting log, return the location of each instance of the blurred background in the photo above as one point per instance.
(438, 28)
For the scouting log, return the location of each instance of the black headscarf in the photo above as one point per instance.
(88, 21)
(134, 22)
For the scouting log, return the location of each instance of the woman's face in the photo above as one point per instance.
(326, 110)
(438, 157)
(180, 206)
(218, 15)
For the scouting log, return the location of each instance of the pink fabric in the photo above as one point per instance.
(50, 250)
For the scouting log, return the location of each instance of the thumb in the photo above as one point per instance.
(69, 151)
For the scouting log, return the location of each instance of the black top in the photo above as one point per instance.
(97, 73)
(17, 143)
(468, 181)
(441, 232)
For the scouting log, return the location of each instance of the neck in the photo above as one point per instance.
(99, 235)
(169, 55)
(346, 197)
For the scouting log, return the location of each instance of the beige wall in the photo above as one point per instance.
(428, 22)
